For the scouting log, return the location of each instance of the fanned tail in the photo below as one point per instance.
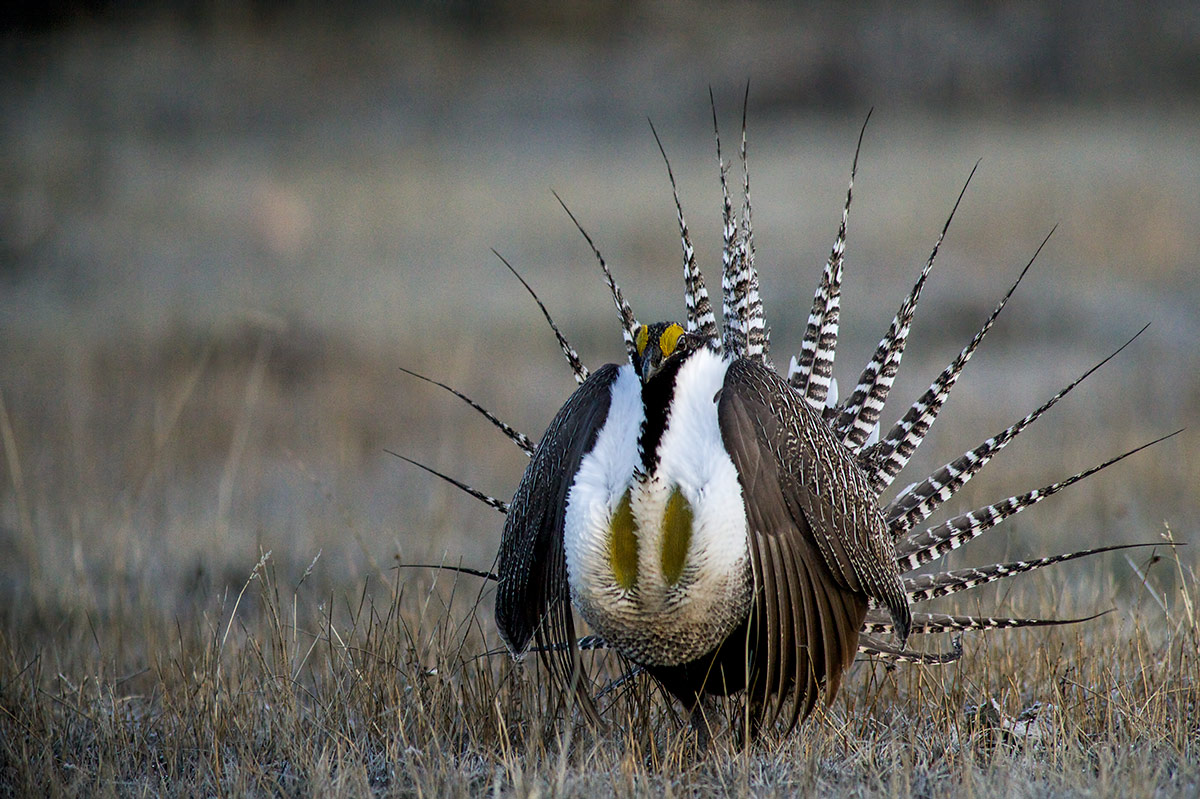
(860, 411)
(700, 316)
(523, 441)
(885, 460)
(917, 549)
(743, 334)
(923, 499)
(623, 310)
(577, 368)
(812, 372)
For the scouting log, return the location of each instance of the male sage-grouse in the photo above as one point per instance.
(719, 524)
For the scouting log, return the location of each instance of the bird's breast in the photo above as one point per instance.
(658, 563)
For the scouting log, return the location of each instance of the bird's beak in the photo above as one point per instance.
(651, 362)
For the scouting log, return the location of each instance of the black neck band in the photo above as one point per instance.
(656, 400)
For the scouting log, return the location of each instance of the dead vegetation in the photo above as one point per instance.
(227, 642)
(283, 688)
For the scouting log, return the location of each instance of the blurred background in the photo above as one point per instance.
(224, 227)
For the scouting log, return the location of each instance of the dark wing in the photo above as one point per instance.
(817, 540)
(533, 598)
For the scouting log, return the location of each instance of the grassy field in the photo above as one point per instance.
(279, 688)
(220, 245)
(201, 595)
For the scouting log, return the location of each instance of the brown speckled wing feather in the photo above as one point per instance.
(533, 598)
(814, 565)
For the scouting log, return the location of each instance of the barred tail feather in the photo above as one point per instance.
(634, 672)
(877, 649)
(861, 410)
(933, 586)
(733, 286)
(628, 321)
(491, 577)
(916, 505)
(700, 317)
(917, 549)
(812, 373)
(879, 623)
(885, 461)
(486, 499)
(523, 441)
(576, 363)
(758, 336)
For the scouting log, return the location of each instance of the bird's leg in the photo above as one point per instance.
(700, 721)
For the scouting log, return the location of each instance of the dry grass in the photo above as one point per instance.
(281, 688)
(151, 646)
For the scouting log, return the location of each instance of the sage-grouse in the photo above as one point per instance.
(719, 524)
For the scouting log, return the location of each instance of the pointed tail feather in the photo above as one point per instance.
(480, 573)
(879, 623)
(634, 672)
(916, 505)
(591, 642)
(733, 301)
(861, 410)
(623, 310)
(920, 548)
(932, 586)
(885, 461)
(523, 441)
(812, 372)
(584, 644)
(758, 336)
(498, 504)
(877, 649)
(700, 316)
(577, 368)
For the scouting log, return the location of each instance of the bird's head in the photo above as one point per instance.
(660, 344)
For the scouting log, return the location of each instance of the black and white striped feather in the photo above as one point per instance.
(876, 648)
(700, 316)
(523, 441)
(915, 550)
(624, 312)
(758, 335)
(486, 499)
(573, 360)
(916, 504)
(934, 586)
(734, 281)
(811, 372)
(860, 411)
(878, 623)
(884, 460)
